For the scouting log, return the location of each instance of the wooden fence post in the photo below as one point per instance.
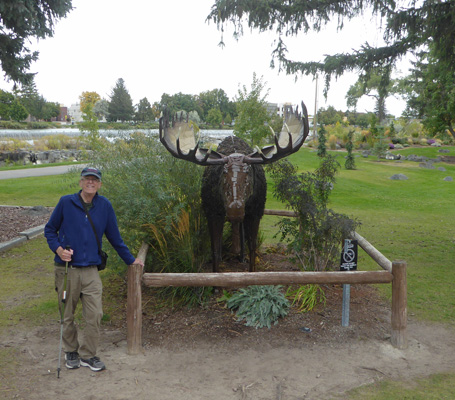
(134, 305)
(399, 337)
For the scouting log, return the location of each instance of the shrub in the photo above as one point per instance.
(157, 199)
(315, 236)
(259, 306)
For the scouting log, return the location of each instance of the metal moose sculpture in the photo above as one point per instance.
(234, 185)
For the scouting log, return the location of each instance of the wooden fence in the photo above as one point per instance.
(393, 272)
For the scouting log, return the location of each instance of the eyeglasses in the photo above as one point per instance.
(91, 179)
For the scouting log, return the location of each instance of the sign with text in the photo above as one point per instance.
(349, 256)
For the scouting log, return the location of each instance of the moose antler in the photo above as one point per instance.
(292, 136)
(179, 139)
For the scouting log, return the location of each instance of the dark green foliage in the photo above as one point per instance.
(259, 306)
(430, 94)
(316, 235)
(322, 140)
(21, 20)
(406, 27)
(120, 104)
(350, 162)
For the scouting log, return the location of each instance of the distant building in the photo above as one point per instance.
(75, 113)
(278, 108)
(63, 116)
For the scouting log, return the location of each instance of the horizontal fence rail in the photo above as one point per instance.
(239, 279)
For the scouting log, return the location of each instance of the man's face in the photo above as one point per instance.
(90, 184)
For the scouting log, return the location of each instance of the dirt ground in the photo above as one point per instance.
(205, 353)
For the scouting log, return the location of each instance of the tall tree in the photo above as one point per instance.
(21, 20)
(6, 100)
(120, 105)
(379, 85)
(18, 111)
(407, 25)
(253, 117)
(214, 99)
(430, 93)
(144, 111)
(180, 101)
(101, 109)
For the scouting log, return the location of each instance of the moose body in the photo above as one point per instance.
(234, 185)
(235, 192)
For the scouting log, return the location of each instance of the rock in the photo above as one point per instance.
(448, 179)
(37, 210)
(441, 169)
(399, 177)
(413, 157)
(427, 165)
(443, 151)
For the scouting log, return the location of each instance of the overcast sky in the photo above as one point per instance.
(167, 47)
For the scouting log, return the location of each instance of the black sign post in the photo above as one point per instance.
(348, 263)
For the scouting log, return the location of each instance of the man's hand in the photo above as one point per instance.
(138, 261)
(65, 255)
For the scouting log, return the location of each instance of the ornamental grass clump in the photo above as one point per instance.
(259, 306)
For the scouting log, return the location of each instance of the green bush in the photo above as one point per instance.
(157, 200)
(316, 235)
(259, 306)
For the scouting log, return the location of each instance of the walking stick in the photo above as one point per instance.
(61, 307)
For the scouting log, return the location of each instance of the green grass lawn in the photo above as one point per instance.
(410, 220)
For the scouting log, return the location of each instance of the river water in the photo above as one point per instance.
(30, 135)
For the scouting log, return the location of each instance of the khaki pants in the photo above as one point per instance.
(84, 284)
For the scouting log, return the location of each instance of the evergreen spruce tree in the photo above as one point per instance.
(322, 140)
(380, 147)
(350, 162)
(120, 105)
(20, 21)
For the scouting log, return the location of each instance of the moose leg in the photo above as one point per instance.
(216, 236)
(235, 238)
(252, 228)
(242, 243)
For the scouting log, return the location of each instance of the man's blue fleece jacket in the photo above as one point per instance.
(70, 226)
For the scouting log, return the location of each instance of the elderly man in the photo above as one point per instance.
(71, 236)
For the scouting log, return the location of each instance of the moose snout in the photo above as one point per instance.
(235, 211)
